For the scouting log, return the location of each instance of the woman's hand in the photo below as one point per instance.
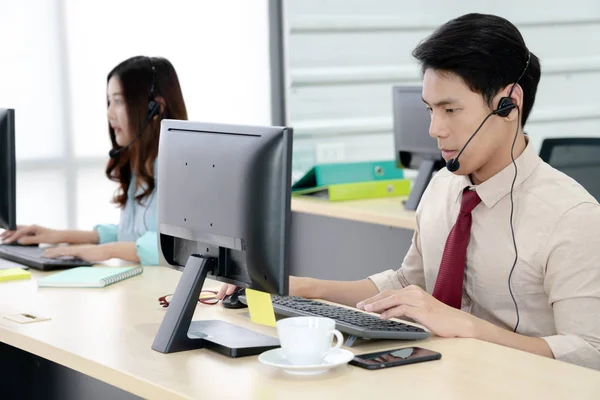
(31, 234)
(91, 253)
(225, 290)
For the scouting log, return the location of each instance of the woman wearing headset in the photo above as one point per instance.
(141, 91)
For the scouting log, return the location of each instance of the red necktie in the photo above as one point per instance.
(449, 284)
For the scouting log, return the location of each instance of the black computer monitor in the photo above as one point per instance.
(8, 178)
(223, 211)
(577, 157)
(414, 147)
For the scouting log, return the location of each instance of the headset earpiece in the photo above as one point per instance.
(504, 107)
(153, 109)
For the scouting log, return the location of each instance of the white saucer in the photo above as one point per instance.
(277, 358)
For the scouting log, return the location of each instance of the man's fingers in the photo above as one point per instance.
(403, 311)
(396, 299)
(384, 304)
(409, 292)
(374, 299)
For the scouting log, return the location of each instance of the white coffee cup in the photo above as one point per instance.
(307, 340)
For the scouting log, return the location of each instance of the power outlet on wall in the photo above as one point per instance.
(330, 152)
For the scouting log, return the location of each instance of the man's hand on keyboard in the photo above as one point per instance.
(31, 234)
(92, 252)
(415, 303)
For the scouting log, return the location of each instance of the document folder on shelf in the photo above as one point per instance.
(353, 181)
(329, 174)
(359, 190)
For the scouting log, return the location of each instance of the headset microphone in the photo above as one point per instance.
(453, 165)
(115, 152)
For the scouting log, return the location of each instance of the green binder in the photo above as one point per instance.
(359, 190)
(330, 174)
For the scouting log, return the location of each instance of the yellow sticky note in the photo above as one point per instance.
(13, 274)
(260, 307)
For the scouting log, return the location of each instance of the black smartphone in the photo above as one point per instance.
(394, 358)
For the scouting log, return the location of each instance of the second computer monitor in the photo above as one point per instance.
(223, 212)
(414, 147)
(227, 187)
(7, 170)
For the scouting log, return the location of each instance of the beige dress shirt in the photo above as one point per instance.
(556, 281)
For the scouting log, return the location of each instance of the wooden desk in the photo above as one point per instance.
(387, 212)
(107, 334)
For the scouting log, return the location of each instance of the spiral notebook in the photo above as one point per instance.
(89, 277)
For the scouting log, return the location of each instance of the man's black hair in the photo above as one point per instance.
(487, 52)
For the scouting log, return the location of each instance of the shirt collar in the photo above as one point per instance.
(495, 188)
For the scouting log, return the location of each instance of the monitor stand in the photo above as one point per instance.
(178, 332)
(424, 176)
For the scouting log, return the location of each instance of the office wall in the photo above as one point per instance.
(343, 56)
(53, 65)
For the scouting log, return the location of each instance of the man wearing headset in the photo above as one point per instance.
(507, 249)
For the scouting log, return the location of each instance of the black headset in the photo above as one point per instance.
(153, 110)
(153, 105)
(505, 106)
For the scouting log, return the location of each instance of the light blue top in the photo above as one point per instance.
(137, 224)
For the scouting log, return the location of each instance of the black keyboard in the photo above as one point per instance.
(32, 256)
(351, 322)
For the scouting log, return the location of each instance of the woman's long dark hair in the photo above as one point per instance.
(136, 77)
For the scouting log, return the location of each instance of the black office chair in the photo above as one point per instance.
(577, 157)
